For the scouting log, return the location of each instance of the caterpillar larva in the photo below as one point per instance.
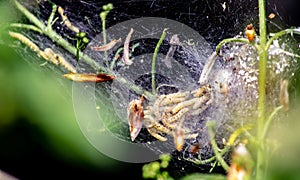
(48, 55)
(66, 21)
(25, 40)
(65, 63)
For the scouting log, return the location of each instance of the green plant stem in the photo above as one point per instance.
(51, 17)
(26, 26)
(79, 46)
(237, 132)
(112, 64)
(267, 124)
(30, 16)
(103, 19)
(211, 159)
(210, 125)
(77, 50)
(263, 55)
(163, 35)
(279, 34)
(225, 41)
(212, 168)
(114, 60)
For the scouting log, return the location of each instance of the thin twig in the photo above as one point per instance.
(103, 19)
(237, 132)
(163, 35)
(26, 26)
(225, 41)
(209, 160)
(50, 19)
(279, 34)
(267, 124)
(210, 125)
(115, 58)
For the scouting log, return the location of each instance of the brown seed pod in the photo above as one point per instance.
(89, 77)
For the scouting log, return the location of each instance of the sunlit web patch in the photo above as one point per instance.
(236, 69)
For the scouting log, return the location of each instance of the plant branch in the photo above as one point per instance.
(279, 34)
(263, 55)
(267, 124)
(163, 35)
(26, 26)
(115, 58)
(237, 132)
(30, 16)
(51, 17)
(103, 15)
(104, 39)
(225, 41)
(210, 125)
(209, 160)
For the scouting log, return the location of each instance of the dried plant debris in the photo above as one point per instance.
(107, 46)
(174, 42)
(126, 54)
(135, 116)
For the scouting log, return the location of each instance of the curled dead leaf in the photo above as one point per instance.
(135, 116)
